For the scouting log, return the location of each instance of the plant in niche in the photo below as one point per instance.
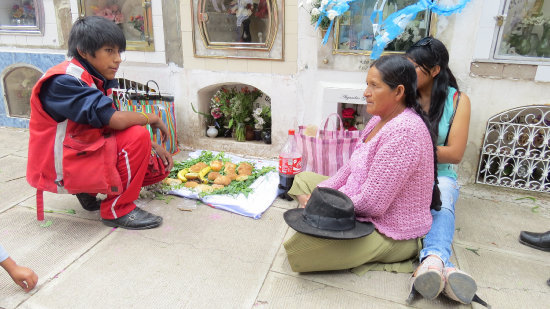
(209, 119)
(410, 35)
(262, 118)
(111, 12)
(313, 8)
(137, 23)
(235, 107)
(24, 11)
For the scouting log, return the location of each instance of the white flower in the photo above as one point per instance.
(315, 11)
(257, 111)
(324, 2)
(332, 14)
(301, 4)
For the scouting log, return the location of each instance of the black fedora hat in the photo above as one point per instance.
(329, 213)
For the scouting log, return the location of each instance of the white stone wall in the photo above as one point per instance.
(302, 89)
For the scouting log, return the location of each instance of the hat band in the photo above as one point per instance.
(328, 223)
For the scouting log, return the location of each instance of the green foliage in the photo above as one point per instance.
(238, 187)
(205, 156)
(527, 198)
(46, 224)
(473, 250)
(234, 188)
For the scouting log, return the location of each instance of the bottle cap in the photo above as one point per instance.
(290, 132)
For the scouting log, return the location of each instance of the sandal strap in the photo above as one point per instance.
(480, 301)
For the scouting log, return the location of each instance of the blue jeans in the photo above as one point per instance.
(440, 237)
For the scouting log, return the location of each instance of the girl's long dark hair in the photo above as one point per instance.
(427, 53)
(398, 70)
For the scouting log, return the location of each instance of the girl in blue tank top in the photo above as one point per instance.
(449, 112)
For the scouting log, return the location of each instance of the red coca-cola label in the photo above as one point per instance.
(290, 166)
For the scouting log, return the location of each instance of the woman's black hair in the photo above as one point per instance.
(427, 53)
(90, 33)
(398, 70)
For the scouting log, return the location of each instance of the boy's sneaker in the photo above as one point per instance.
(88, 201)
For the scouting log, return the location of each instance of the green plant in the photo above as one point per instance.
(209, 119)
(262, 118)
(241, 105)
(314, 11)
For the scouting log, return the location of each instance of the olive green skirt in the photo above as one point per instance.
(372, 252)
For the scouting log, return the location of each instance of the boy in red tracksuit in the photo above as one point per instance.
(81, 144)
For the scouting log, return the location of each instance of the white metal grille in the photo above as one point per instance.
(516, 149)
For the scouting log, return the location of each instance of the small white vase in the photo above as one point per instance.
(212, 131)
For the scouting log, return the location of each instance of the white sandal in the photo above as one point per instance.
(428, 278)
(459, 286)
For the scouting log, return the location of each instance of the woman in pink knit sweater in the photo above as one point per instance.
(389, 178)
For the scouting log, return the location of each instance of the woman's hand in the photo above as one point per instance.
(156, 123)
(164, 155)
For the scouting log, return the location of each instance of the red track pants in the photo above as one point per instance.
(137, 167)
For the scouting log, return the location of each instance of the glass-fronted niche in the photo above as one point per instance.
(133, 17)
(524, 32)
(18, 84)
(237, 24)
(354, 29)
(21, 16)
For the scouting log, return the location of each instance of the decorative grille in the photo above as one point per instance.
(516, 149)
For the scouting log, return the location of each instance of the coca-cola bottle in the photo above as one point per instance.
(290, 164)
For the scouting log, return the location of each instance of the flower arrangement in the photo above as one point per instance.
(111, 12)
(138, 22)
(24, 11)
(235, 108)
(209, 119)
(262, 118)
(349, 114)
(410, 35)
(314, 10)
(539, 20)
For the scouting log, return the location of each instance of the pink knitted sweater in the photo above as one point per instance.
(390, 178)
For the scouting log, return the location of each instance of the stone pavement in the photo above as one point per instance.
(208, 258)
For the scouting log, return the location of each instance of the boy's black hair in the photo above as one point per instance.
(90, 33)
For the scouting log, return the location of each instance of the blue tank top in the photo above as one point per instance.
(446, 169)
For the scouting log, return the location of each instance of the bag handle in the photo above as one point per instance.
(130, 96)
(149, 89)
(339, 126)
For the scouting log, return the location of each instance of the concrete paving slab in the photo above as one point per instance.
(488, 224)
(14, 140)
(46, 250)
(14, 192)
(284, 204)
(507, 281)
(283, 291)
(12, 167)
(206, 258)
(378, 284)
(216, 228)
(59, 203)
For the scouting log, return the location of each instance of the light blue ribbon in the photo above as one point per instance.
(338, 7)
(396, 23)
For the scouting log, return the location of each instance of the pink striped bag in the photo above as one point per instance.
(329, 150)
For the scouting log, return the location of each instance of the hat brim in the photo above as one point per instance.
(295, 219)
